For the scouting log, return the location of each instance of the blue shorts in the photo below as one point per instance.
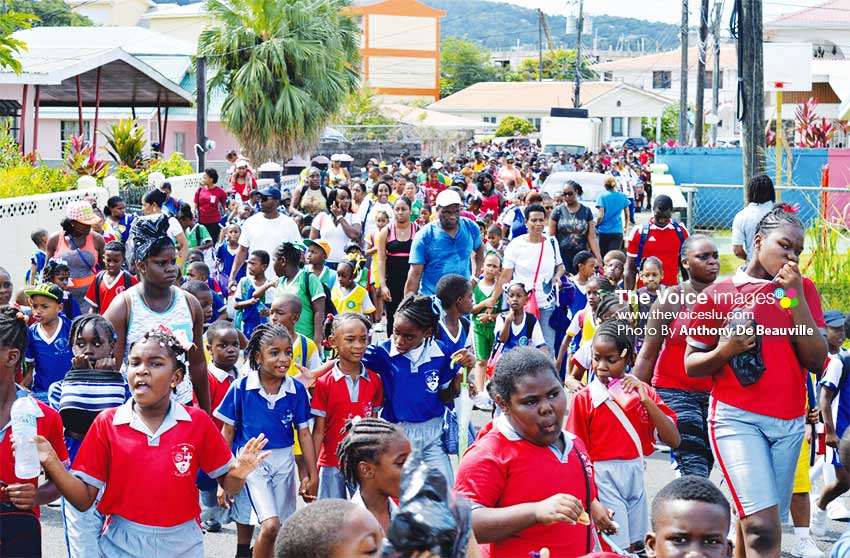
(127, 539)
(757, 455)
(239, 512)
(332, 484)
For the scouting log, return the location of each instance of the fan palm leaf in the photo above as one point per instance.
(285, 66)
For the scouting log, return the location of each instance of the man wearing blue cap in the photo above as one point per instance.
(264, 231)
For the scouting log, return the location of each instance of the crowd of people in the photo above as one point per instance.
(219, 357)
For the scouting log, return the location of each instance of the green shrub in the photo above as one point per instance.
(25, 179)
(175, 165)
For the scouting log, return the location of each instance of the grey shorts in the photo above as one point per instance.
(127, 539)
(271, 488)
(621, 488)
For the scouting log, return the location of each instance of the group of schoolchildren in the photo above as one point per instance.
(352, 409)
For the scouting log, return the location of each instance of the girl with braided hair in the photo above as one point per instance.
(23, 495)
(756, 335)
(154, 440)
(420, 376)
(154, 301)
(618, 416)
(371, 456)
(269, 401)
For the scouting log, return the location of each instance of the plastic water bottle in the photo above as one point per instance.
(24, 416)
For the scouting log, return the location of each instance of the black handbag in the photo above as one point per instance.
(20, 532)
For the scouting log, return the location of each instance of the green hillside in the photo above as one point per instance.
(496, 25)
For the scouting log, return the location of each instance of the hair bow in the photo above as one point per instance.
(790, 208)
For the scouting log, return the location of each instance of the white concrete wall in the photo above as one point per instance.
(396, 71)
(100, 15)
(20, 216)
(402, 32)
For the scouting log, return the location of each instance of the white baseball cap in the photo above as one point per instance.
(447, 198)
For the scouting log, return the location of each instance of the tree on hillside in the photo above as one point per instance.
(285, 67)
(514, 126)
(51, 13)
(462, 64)
(558, 65)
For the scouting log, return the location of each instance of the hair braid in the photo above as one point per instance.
(262, 335)
(363, 440)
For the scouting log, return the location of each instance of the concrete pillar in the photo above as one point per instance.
(658, 129)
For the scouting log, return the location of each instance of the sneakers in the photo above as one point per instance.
(818, 523)
(211, 526)
(482, 402)
(806, 548)
(837, 511)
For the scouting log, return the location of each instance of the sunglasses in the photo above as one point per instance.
(569, 193)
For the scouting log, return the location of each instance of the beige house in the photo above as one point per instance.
(179, 22)
(619, 106)
(112, 12)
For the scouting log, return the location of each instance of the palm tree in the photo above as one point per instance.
(286, 66)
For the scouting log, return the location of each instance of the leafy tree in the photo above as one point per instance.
(51, 13)
(514, 126)
(462, 64)
(669, 124)
(361, 108)
(285, 66)
(558, 65)
(9, 46)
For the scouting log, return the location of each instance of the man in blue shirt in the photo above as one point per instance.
(444, 246)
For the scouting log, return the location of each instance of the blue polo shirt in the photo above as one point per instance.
(412, 381)
(51, 355)
(441, 254)
(613, 203)
(841, 403)
(247, 407)
(450, 344)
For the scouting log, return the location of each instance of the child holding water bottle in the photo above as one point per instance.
(16, 492)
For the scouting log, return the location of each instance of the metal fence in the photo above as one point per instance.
(711, 208)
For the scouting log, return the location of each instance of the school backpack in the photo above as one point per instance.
(99, 279)
(329, 305)
(644, 234)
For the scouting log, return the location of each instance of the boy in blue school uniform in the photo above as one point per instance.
(48, 353)
(39, 257)
(455, 295)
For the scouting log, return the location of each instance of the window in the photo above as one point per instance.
(490, 119)
(68, 128)
(709, 79)
(10, 116)
(180, 142)
(662, 80)
(536, 122)
(608, 76)
(617, 126)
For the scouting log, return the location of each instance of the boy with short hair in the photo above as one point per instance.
(314, 256)
(200, 271)
(252, 294)
(39, 257)
(614, 265)
(112, 281)
(204, 294)
(285, 312)
(690, 516)
(48, 353)
(494, 239)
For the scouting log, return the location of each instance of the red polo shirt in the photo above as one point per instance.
(780, 392)
(208, 202)
(664, 244)
(220, 382)
(592, 420)
(49, 425)
(501, 470)
(150, 479)
(338, 398)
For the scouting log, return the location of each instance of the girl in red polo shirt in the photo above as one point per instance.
(619, 416)
(159, 443)
(756, 334)
(345, 391)
(518, 510)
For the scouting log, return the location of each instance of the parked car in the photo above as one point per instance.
(634, 143)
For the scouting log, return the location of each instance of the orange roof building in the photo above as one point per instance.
(400, 46)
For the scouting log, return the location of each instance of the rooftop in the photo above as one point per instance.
(530, 95)
(833, 13)
(668, 60)
(163, 11)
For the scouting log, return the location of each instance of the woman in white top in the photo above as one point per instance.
(535, 260)
(367, 213)
(338, 225)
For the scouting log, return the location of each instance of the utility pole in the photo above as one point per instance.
(715, 74)
(539, 44)
(579, 26)
(201, 114)
(751, 111)
(701, 53)
(683, 79)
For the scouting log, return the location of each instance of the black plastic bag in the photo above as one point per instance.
(431, 517)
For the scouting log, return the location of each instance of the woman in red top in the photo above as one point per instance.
(491, 199)
(664, 352)
(756, 334)
(518, 510)
(211, 204)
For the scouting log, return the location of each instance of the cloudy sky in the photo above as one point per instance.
(668, 11)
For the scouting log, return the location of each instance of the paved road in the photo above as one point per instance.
(223, 545)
